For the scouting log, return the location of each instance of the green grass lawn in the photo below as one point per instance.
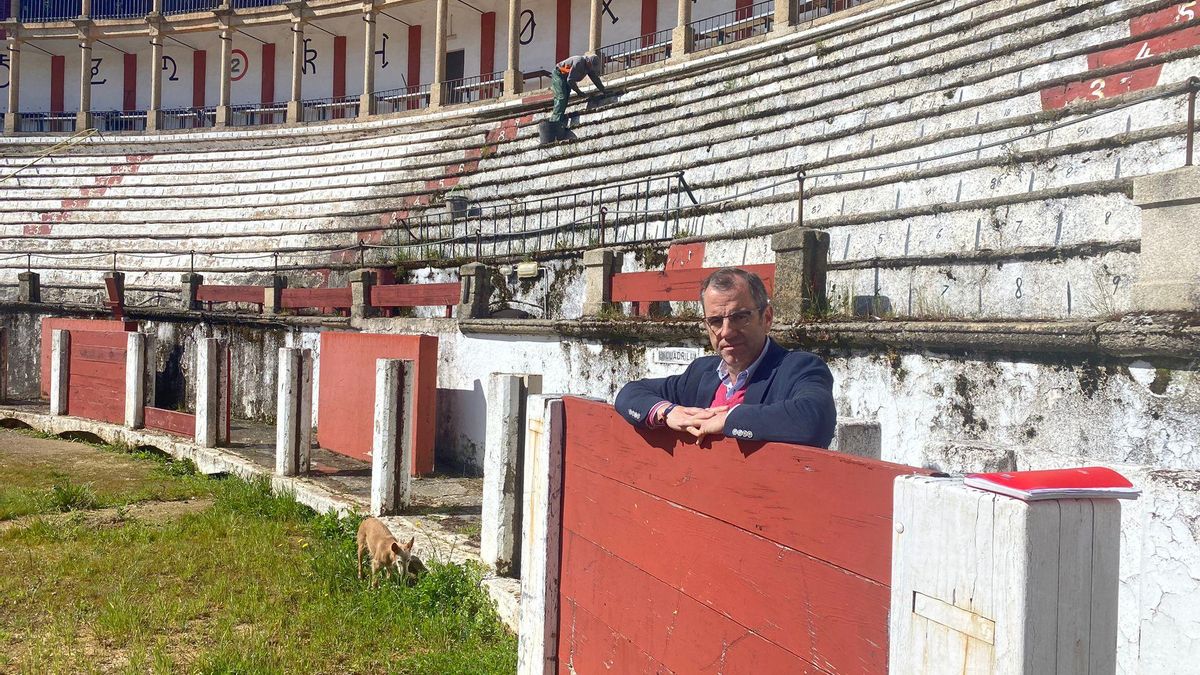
(250, 583)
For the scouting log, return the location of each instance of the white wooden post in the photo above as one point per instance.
(983, 583)
(208, 396)
(293, 416)
(60, 371)
(224, 392)
(3, 365)
(500, 480)
(540, 537)
(392, 452)
(135, 379)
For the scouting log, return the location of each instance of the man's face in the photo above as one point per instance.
(735, 326)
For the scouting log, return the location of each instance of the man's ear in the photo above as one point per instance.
(768, 316)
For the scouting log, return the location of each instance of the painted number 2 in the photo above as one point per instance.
(168, 64)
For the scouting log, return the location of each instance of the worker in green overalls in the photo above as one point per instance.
(566, 74)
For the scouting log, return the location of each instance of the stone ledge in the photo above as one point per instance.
(1170, 336)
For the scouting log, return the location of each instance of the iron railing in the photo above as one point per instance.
(187, 118)
(470, 89)
(121, 9)
(412, 97)
(639, 51)
(730, 27)
(45, 122)
(39, 11)
(332, 108)
(257, 114)
(642, 210)
(186, 6)
(246, 4)
(119, 120)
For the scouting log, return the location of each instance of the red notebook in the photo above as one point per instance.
(1089, 482)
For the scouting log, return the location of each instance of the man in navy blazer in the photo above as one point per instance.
(752, 389)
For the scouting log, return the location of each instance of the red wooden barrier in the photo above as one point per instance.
(346, 394)
(170, 421)
(734, 556)
(73, 325)
(297, 298)
(672, 284)
(247, 294)
(415, 295)
(96, 382)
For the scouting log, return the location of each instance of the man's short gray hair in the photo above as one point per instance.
(725, 280)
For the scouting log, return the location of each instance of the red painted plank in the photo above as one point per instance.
(562, 30)
(649, 20)
(415, 295)
(414, 64)
(267, 84)
(487, 43)
(346, 393)
(612, 600)
(249, 294)
(58, 69)
(96, 375)
(685, 256)
(171, 421)
(295, 298)
(129, 89)
(803, 604)
(73, 325)
(198, 74)
(339, 71)
(674, 284)
(591, 646)
(833, 506)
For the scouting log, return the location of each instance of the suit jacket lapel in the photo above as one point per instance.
(757, 388)
(707, 387)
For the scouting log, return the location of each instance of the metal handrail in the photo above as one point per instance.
(638, 51)
(67, 143)
(729, 27)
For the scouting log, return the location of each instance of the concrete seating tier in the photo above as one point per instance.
(873, 106)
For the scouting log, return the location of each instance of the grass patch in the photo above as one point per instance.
(254, 583)
(48, 475)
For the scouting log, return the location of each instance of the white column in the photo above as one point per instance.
(293, 419)
(156, 54)
(60, 371)
(681, 36)
(983, 583)
(226, 64)
(366, 104)
(135, 366)
(83, 119)
(208, 395)
(293, 109)
(500, 481)
(439, 53)
(391, 450)
(514, 80)
(540, 536)
(594, 27)
(14, 84)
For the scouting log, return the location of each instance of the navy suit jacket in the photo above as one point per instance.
(789, 398)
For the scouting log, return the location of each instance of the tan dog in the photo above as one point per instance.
(375, 538)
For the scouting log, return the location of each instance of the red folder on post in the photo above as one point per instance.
(1089, 482)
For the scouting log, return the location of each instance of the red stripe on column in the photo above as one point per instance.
(199, 71)
(58, 82)
(743, 8)
(487, 43)
(339, 71)
(268, 73)
(562, 30)
(129, 101)
(650, 16)
(339, 65)
(414, 63)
